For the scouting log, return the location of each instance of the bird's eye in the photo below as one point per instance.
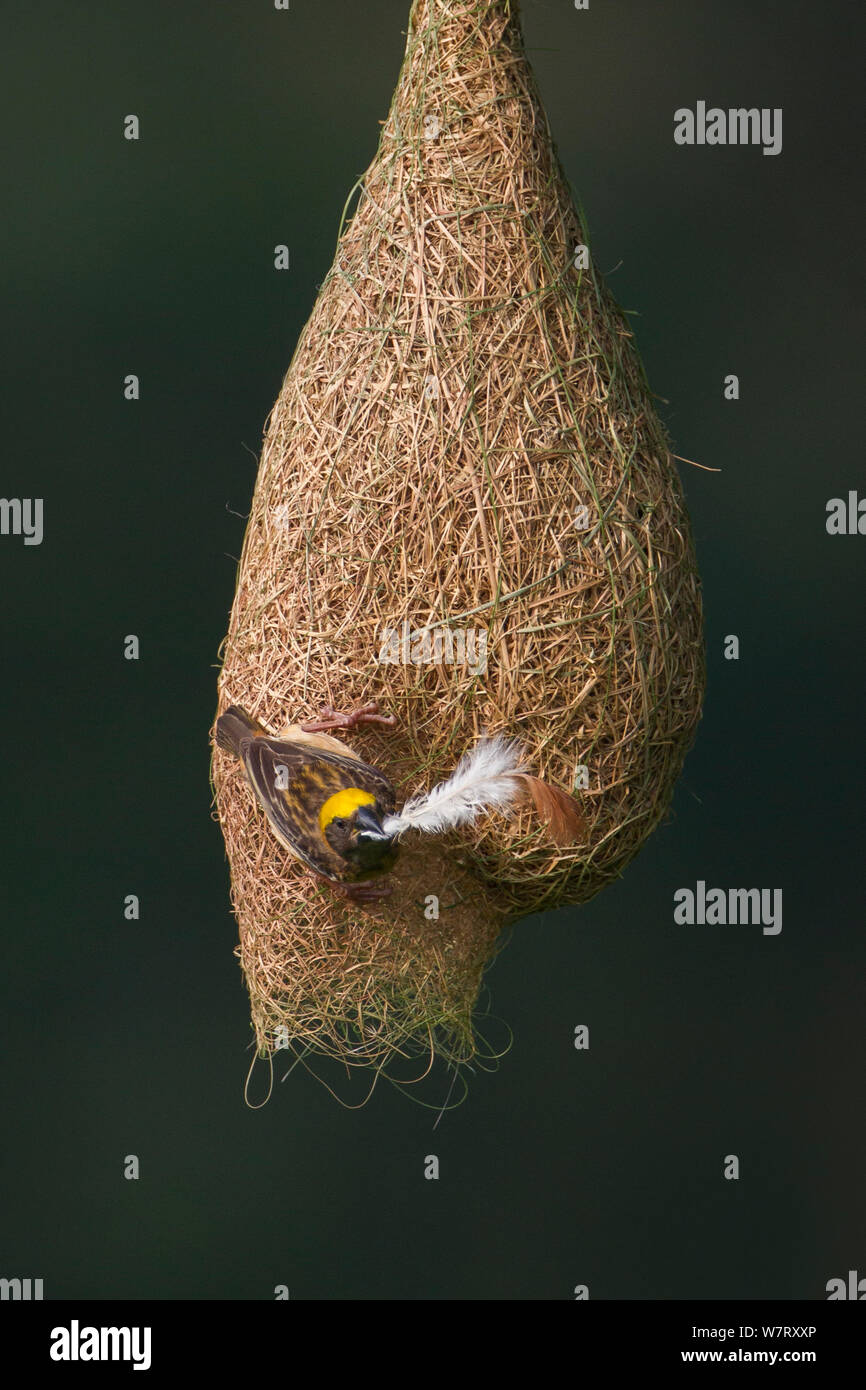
(339, 822)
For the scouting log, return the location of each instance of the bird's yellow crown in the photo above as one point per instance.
(343, 803)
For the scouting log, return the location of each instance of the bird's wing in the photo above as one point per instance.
(335, 769)
(292, 782)
(323, 743)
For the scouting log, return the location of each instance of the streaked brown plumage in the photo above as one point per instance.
(295, 775)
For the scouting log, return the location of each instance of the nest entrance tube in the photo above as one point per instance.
(466, 509)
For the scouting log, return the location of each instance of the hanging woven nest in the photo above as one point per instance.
(467, 510)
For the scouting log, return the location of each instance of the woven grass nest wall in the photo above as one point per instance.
(464, 443)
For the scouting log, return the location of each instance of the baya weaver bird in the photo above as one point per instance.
(336, 813)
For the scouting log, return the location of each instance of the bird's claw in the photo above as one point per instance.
(330, 718)
(368, 892)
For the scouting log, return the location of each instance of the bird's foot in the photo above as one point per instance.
(359, 893)
(356, 892)
(332, 719)
(367, 892)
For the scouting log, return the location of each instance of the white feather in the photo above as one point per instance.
(486, 779)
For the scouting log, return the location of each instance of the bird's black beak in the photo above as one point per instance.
(372, 851)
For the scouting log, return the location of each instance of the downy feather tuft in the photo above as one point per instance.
(490, 777)
(487, 778)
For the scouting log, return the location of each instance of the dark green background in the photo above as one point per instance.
(603, 1167)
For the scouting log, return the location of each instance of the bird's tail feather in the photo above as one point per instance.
(232, 726)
